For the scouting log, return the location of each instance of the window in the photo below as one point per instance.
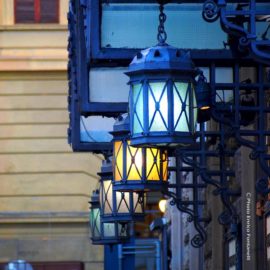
(36, 11)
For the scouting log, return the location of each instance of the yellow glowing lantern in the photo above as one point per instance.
(137, 168)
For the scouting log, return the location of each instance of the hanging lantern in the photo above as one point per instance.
(162, 103)
(137, 169)
(118, 205)
(105, 232)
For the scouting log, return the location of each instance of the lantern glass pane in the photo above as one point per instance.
(158, 106)
(95, 222)
(195, 109)
(118, 154)
(122, 230)
(122, 202)
(138, 206)
(165, 165)
(108, 196)
(109, 229)
(101, 78)
(138, 108)
(181, 106)
(134, 162)
(152, 164)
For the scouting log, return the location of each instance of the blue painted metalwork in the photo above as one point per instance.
(117, 205)
(74, 77)
(193, 205)
(140, 248)
(234, 117)
(241, 24)
(159, 76)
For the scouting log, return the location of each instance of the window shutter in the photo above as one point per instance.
(49, 11)
(24, 11)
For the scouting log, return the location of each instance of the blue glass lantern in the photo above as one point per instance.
(163, 107)
(118, 205)
(137, 169)
(103, 233)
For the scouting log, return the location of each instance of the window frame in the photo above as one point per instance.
(91, 55)
(87, 53)
(37, 13)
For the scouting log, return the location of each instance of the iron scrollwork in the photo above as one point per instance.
(240, 21)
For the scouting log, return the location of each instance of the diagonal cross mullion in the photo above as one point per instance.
(135, 103)
(151, 150)
(131, 156)
(123, 199)
(106, 197)
(137, 149)
(116, 159)
(179, 117)
(154, 115)
(162, 94)
(188, 120)
(176, 90)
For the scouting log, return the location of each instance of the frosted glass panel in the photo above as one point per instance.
(109, 229)
(107, 196)
(232, 248)
(138, 207)
(135, 26)
(181, 117)
(95, 222)
(138, 103)
(122, 202)
(96, 129)
(108, 85)
(134, 163)
(158, 107)
(118, 153)
(153, 164)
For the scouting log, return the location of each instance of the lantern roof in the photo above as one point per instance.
(106, 167)
(162, 58)
(122, 124)
(95, 197)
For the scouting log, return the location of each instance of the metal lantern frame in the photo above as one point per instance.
(118, 205)
(150, 165)
(162, 100)
(118, 231)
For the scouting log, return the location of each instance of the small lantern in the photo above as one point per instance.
(203, 97)
(118, 205)
(163, 107)
(137, 169)
(105, 232)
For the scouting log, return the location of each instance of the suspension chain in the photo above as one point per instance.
(162, 35)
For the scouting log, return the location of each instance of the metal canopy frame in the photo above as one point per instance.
(88, 18)
(75, 76)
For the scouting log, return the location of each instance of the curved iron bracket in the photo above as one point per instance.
(242, 25)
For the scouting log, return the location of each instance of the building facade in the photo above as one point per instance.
(45, 188)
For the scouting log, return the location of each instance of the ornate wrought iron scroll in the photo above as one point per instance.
(211, 159)
(247, 25)
(187, 196)
(247, 111)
